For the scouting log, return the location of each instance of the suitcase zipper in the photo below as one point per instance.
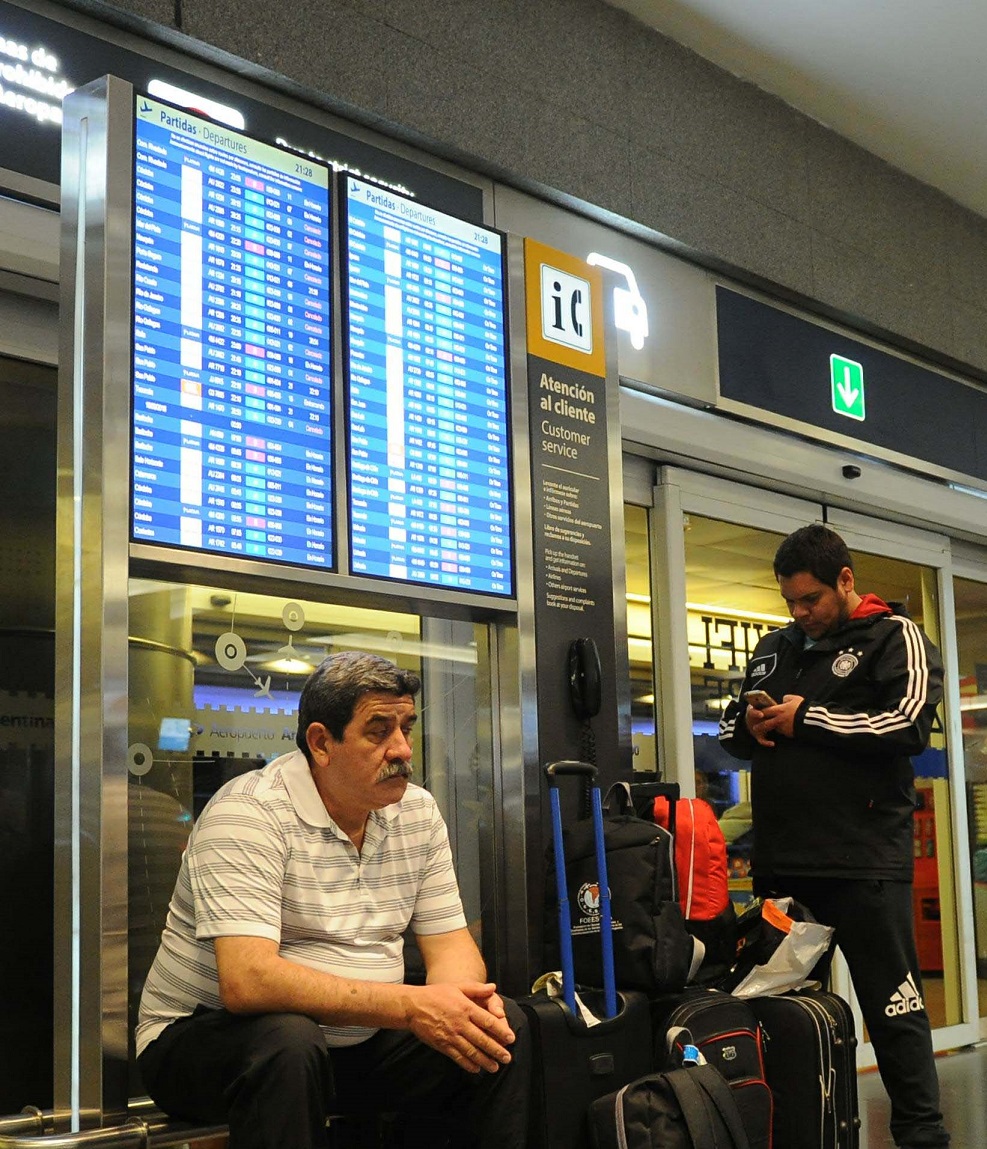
(841, 1037)
(827, 1080)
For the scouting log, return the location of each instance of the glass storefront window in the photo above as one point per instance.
(214, 681)
(731, 600)
(639, 645)
(27, 730)
(971, 640)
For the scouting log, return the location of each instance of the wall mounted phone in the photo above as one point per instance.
(585, 678)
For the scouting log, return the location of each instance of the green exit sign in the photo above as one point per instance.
(847, 383)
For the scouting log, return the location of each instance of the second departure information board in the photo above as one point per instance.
(430, 495)
(232, 404)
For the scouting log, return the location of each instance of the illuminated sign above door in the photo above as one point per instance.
(780, 368)
(846, 379)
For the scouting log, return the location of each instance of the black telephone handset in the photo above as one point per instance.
(585, 677)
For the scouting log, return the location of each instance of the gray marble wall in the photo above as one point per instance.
(573, 98)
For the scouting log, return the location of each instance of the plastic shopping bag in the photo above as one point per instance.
(781, 952)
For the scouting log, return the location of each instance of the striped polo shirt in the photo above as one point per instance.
(266, 860)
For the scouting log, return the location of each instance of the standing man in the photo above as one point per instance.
(276, 996)
(854, 686)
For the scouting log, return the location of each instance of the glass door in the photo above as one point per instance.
(914, 568)
(715, 595)
(970, 593)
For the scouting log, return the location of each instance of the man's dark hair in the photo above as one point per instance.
(336, 685)
(815, 549)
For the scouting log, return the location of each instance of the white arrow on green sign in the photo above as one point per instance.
(847, 380)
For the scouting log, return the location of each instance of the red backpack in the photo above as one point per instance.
(701, 869)
(700, 857)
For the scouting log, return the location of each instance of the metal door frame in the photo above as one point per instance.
(969, 562)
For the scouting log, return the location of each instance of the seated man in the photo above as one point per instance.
(276, 995)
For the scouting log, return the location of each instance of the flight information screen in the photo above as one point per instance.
(429, 480)
(231, 370)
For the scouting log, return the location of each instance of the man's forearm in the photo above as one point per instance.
(461, 1018)
(269, 983)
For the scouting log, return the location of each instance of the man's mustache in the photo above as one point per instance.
(393, 769)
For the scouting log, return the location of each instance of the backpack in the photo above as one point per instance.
(700, 857)
(701, 865)
(687, 1108)
(653, 951)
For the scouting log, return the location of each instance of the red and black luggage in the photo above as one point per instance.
(574, 1063)
(726, 1031)
(811, 1065)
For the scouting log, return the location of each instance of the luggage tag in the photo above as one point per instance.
(551, 983)
(691, 1053)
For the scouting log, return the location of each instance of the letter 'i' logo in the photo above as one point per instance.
(565, 309)
(575, 299)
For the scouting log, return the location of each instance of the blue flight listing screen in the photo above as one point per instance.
(231, 372)
(430, 493)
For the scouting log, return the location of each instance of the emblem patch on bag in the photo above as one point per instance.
(588, 898)
(845, 663)
(588, 904)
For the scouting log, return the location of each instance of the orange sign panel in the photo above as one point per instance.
(564, 308)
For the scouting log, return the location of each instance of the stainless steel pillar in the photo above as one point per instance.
(91, 610)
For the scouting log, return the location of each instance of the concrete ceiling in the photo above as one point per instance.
(905, 79)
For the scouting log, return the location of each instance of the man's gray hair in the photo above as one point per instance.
(335, 686)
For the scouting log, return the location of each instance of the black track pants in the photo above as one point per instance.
(875, 930)
(271, 1078)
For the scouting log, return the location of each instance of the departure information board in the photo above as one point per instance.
(429, 485)
(232, 403)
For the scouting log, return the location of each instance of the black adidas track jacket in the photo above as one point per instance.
(836, 800)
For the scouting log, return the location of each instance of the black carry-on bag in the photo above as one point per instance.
(575, 1062)
(726, 1032)
(810, 1059)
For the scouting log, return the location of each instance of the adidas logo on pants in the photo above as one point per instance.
(905, 999)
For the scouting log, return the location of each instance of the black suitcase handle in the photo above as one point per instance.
(569, 766)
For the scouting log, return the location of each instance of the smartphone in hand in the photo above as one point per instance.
(759, 698)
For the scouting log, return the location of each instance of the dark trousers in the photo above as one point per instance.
(875, 929)
(273, 1080)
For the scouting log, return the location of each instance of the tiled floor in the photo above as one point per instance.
(963, 1085)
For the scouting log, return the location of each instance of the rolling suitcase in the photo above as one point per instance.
(574, 1062)
(726, 1032)
(811, 1064)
